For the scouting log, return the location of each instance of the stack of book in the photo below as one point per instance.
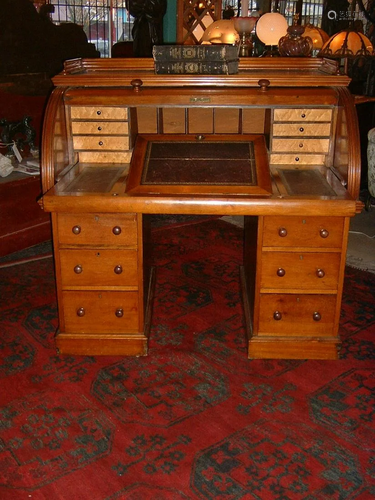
(218, 59)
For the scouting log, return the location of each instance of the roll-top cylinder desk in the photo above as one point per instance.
(281, 142)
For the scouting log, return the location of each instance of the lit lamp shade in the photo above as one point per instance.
(347, 43)
(222, 31)
(271, 27)
(318, 36)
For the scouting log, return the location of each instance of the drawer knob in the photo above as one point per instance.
(301, 129)
(99, 128)
(99, 112)
(320, 273)
(280, 272)
(118, 269)
(100, 143)
(303, 115)
(78, 269)
(277, 316)
(317, 316)
(76, 229)
(116, 230)
(264, 84)
(300, 145)
(296, 158)
(81, 312)
(324, 233)
(136, 84)
(282, 232)
(119, 312)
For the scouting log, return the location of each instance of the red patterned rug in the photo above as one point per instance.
(195, 419)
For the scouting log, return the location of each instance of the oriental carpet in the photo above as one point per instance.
(195, 419)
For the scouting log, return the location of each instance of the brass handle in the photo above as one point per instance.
(317, 316)
(282, 232)
(320, 273)
(119, 312)
(280, 272)
(324, 233)
(118, 269)
(78, 269)
(116, 230)
(277, 315)
(76, 229)
(80, 312)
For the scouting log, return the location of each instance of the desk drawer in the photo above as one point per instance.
(98, 112)
(297, 315)
(312, 232)
(99, 143)
(301, 145)
(100, 312)
(302, 115)
(100, 128)
(300, 271)
(297, 159)
(302, 129)
(98, 268)
(97, 229)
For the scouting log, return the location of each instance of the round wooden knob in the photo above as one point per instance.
(301, 129)
(100, 143)
(118, 269)
(303, 115)
(296, 158)
(116, 230)
(324, 233)
(78, 269)
(136, 84)
(99, 128)
(320, 273)
(317, 316)
(283, 232)
(80, 312)
(264, 84)
(277, 316)
(98, 112)
(76, 229)
(280, 272)
(300, 145)
(119, 312)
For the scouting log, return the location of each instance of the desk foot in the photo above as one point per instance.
(101, 344)
(287, 348)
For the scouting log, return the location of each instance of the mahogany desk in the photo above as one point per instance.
(296, 228)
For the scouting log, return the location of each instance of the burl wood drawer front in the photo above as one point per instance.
(297, 315)
(98, 268)
(98, 113)
(311, 232)
(300, 145)
(97, 229)
(302, 115)
(297, 159)
(99, 143)
(106, 312)
(302, 129)
(301, 271)
(100, 128)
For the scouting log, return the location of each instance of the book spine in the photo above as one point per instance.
(194, 52)
(196, 67)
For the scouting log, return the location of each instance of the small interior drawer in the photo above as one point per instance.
(300, 114)
(302, 129)
(98, 112)
(301, 145)
(100, 128)
(99, 143)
